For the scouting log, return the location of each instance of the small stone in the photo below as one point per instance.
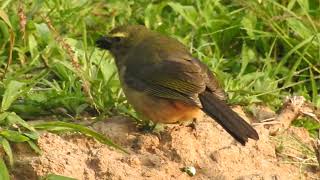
(190, 170)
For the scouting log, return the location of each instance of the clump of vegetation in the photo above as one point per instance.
(261, 51)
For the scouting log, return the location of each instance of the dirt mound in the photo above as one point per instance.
(207, 148)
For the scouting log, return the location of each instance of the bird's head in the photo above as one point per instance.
(119, 40)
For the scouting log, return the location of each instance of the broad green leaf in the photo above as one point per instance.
(304, 4)
(249, 24)
(33, 47)
(34, 146)
(4, 174)
(7, 148)
(13, 136)
(291, 4)
(32, 135)
(3, 117)
(4, 32)
(43, 31)
(13, 118)
(5, 18)
(107, 70)
(5, 3)
(68, 65)
(12, 92)
(187, 12)
(298, 27)
(81, 108)
(57, 177)
(152, 14)
(79, 128)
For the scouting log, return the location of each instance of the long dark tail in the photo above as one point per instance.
(227, 118)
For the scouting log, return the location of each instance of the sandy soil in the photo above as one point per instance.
(207, 148)
(283, 152)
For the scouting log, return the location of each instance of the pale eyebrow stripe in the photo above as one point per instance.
(119, 34)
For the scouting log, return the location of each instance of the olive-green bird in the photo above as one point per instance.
(164, 83)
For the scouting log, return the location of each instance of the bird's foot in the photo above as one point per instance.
(147, 127)
(193, 125)
(151, 127)
(183, 124)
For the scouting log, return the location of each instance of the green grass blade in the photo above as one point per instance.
(12, 92)
(314, 87)
(57, 177)
(35, 147)
(7, 149)
(187, 12)
(292, 51)
(13, 136)
(4, 174)
(3, 117)
(13, 118)
(79, 128)
(5, 18)
(296, 65)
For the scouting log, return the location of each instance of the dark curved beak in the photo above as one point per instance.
(104, 42)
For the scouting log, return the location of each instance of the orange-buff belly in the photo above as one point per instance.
(160, 109)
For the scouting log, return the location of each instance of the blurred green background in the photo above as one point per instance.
(260, 50)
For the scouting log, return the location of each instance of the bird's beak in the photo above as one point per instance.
(104, 42)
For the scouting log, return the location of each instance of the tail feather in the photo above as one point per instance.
(227, 118)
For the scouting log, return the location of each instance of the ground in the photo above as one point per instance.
(206, 147)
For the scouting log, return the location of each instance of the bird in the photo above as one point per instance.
(165, 84)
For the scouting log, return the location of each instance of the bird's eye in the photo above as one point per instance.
(117, 39)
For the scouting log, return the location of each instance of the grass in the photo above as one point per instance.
(294, 150)
(261, 51)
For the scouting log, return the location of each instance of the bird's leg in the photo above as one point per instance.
(147, 126)
(193, 124)
(151, 127)
(187, 123)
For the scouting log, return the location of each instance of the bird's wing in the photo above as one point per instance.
(212, 84)
(173, 79)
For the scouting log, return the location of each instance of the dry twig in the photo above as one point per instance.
(290, 111)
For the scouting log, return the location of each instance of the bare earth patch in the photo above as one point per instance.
(208, 148)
